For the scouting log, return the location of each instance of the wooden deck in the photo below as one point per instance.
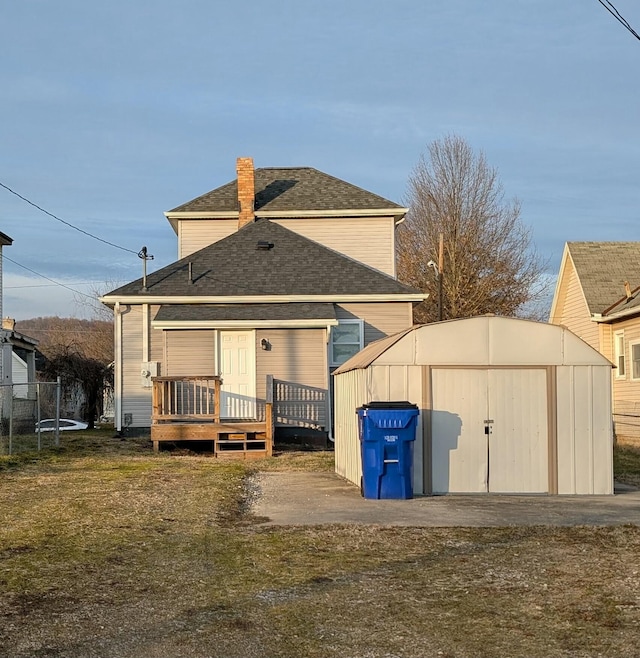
(188, 409)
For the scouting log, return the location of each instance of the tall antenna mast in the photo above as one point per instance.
(145, 257)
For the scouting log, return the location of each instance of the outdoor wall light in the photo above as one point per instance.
(265, 344)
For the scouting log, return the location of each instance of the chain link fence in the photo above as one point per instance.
(23, 408)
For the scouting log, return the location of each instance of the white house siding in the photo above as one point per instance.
(369, 240)
(189, 352)
(626, 390)
(380, 319)
(19, 375)
(297, 359)
(585, 455)
(156, 342)
(572, 310)
(195, 234)
(136, 400)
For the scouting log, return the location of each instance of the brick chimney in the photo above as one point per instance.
(246, 191)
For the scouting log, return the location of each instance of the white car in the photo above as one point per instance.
(64, 424)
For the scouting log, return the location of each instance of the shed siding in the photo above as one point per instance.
(350, 393)
(572, 311)
(136, 400)
(369, 240)
(196, 234)
(377, 383)
(297, 359)
(585, 456)
(380, 319)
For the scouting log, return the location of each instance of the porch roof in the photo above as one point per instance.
(324, 312)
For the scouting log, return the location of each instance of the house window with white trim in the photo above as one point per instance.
(634, 349)
(346, 340)
(618, 345)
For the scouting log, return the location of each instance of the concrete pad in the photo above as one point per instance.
(297, 498)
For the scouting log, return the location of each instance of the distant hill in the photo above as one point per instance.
(91, 338)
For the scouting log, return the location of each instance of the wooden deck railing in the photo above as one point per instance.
(189, 408)
(178, 399)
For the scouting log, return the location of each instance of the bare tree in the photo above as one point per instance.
(90, 303)
(75, 368)
(490, 264)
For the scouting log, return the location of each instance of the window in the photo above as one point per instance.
(618, 348)
(635, 360)
(346, 340)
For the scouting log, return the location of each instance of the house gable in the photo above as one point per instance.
(570, 306)
(316, 205)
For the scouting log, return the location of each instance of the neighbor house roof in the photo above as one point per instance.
(603, 268)
(264, 259)
(282, 189)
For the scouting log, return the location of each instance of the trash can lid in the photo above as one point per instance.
(397, 404)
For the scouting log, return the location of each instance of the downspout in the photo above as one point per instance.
(117, 373)
(329, 397)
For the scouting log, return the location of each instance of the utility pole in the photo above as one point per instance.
(145, 257)
(440, 275)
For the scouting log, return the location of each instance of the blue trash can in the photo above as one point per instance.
(387, 433)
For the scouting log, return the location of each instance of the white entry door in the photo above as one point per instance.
(238, 372)
(489, 431)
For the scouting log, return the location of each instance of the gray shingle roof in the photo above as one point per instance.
(291, 189)
(295, 265)
(204, 312)
(602, 268)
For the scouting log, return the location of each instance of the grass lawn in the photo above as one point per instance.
(109, 550)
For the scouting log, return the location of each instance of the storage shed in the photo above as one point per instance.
(507, 406)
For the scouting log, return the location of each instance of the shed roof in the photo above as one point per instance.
(483, 341)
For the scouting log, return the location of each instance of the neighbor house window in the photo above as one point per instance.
(635, 360)
(346, 340)
(618, 339)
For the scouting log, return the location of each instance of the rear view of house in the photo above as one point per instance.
(283, 274)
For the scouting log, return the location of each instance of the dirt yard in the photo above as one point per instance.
(107, 550)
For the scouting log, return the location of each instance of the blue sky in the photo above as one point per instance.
(113, 113)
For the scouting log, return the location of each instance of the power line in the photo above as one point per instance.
(46, 212)
(51, 285)
(46, 277)
(619, 17)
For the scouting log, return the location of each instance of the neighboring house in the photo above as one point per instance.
(283, 275)
(598, 297)
(11, 341)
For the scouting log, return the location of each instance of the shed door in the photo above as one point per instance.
(513, 456)
(238, 372)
